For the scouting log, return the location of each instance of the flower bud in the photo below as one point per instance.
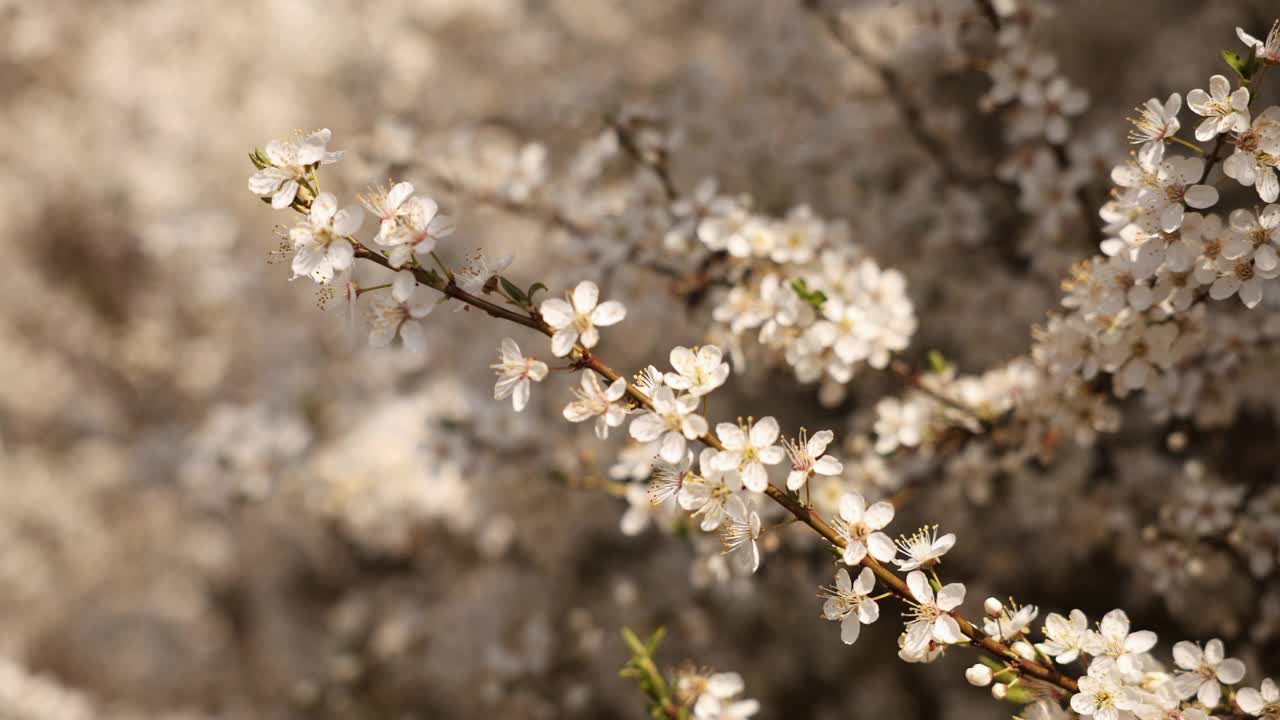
(1024, 650)
(978, 676)
(999, 690)
(992, 606)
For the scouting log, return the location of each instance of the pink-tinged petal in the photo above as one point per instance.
(771, 455)
(731, 436)
(1139, 642)
(562, 341)
(865, 583)
(308, 260)
(947, 631)
(556, 312)
(881, 547)
(585, 297)
(1231, 671)
(951, 596)
(854, 552)
(684, 361)
(1201, 196)
(266, 180)
(414, 337)
(1224, 287)
(879, 515)
(442, 226)
(402, 285)
(1198, 100)
(1219, 87)
(754, 477)
(1250, 701)
(868, 610)
(1268, 185)
(1186, 655)
(673, 447)
(1210, 693)
(323, 208)
(764, 432)
(283, 197)
(1251, 293)
(616, 390)
(827, 465)
(608, 313)
(1214, 652)
(398, 194)
(341, 253)
(850, 627)
(647, 427)
(852, 507)
(919, 586)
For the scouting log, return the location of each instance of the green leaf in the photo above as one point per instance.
(655, 640)
(937, 363)
(816, 298)
(513, 292)
(633, 642)
(1245, 66)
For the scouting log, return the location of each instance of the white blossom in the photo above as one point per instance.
(748, 450)
(290, 158)
(931, 621)
(924, 548)
(414, 231)
(1268, 51)
(1113, 639)
(1102, 694)
(515, 373)
(741, 532)
(577, 321)
(698, 372)
(1263, 702)
(673, 421)
(706, 492)
(594, 401)
(860, 527)
(320, 242)
(1206, 671)
(1224, 110)
(1156, 121)
(848, 603)
(398, 313)
(1064, 638)
(807, 457)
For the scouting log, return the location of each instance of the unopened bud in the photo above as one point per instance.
(992, 606)
(1024, 650)
(978, 675)
(999, 690)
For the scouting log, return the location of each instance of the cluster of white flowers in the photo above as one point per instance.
(814, 300)
(715, 696)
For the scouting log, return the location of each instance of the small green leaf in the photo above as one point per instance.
(655, 640)
(937, 363)
(1245, 66)
(513, 292)
(816, 298)
(633, 642)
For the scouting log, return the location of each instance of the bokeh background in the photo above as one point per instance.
(215, 503)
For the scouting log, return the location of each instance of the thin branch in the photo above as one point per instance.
(799, 510)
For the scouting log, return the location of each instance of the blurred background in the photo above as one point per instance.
(216, 503)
